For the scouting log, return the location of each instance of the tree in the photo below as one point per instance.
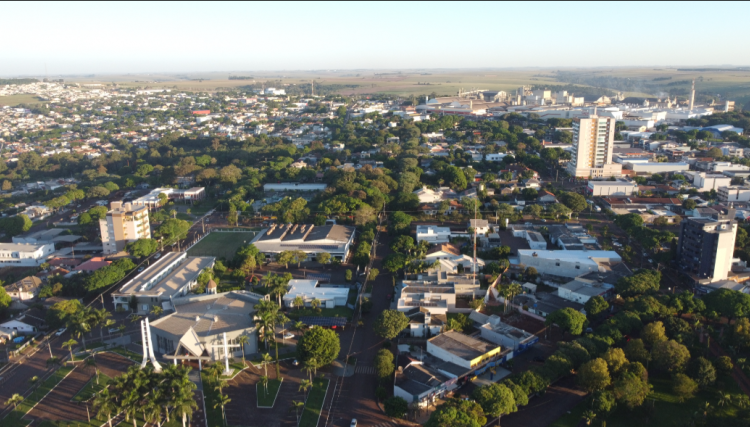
(670, 356)
(653, 333)
(702, 371)
(7, 186)
(15, 400)
(400, 223)
(222, 400)
(595, 306)
(373, 274)
(396, 407)
(643, 281)
(348, 275)
(173, 229)
(15, 225)
(390, 323)
(323, 258)
(575, 202)
(243, 340)
(395, 262)
(629, 221)
(402, 244)
(365, 214)
(724, 365)
(568, 319)
(636, 351)
(603, 402)
(594, 375)
(296, 407)
(729, 303)
(684, 387)
(689, 204)
(230, 174)
(285, 257)
(319, 344)
(714, 151)
(97, 191)
(495, 399)
(70, 344)
(105, 403)
(142, 247)
(384, 363)
(631, 389)
(615, 359)
(5, 299)
(457, 413)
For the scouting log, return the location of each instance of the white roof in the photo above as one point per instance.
(309, 289)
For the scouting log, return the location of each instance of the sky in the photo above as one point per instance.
(109, 37)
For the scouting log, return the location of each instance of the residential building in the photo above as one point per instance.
(422, 323)
(507, 336)
(330, 296)
(152, 200)
(462, 350)
(580, 290)
(24, 254)
(310, 239)
(123, 224)
(172, 276)
(567, 263)
(656, 167)
(734, 193)
(706, 246)
(593, 139)
(707, 182)
(196, 330)
(451, 253)
(433, 234)
(545, 196)
(46, 236)
(421, 383)
(25, 289)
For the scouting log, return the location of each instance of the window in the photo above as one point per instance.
(578, 267)
(145, 307)
(557, 264)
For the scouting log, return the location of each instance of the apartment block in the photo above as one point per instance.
(593, 140)
(124, 223)
(707, 245)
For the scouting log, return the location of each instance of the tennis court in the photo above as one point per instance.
(221, 243)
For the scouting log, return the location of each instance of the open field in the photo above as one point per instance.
(14, 100)
(221, 244)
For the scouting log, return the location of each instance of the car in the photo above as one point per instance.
(354, 423)
(113, 330)
(288, 336)
(544, 220)
(157, 256)
(295, 362)
(60, 331)
(141, 269)
(651, 261)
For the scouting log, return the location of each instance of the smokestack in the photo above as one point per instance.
(692, 96)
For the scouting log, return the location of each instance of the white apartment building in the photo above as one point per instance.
(734, 193)
(611, 188)
(24, 254)
(123, 224)
(593, 140)
(707, 182)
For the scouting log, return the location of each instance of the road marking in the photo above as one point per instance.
(365, 370)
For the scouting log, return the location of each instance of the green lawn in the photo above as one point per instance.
(14, 418)
(352, 298)
(92, 388)
(314, 403)
(221, 244)
(266, 399)
(122, 351)
(210, 394)
(667, 409)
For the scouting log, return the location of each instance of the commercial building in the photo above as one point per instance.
(567, 263)
(330, 296)
(611, 188)
(294, 186)
(433, 234)
(123, 224)
(507, 336)
(172, 276)
(310, 239)
(25, 289)
(706, 246)
(195, 331)
(24, 254)
(421, 383)
(656, 167)
(734, 193)
(707, 182)
(462, 350)
(152, 200)
(593, 139)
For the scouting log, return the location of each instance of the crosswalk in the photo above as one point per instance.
(365, 370)
(385, 424)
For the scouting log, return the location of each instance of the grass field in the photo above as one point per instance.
(221, 244)
(314, 403)
(14, 100)
(662, 407)
(91, 388)
(15, 417)
(267, 399)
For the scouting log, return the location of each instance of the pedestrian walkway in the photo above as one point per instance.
(365, 370)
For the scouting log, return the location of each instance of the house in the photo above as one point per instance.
(545, 196)
(24, 254)
(462, 350)
(480, 226)
(29, 323)
(543, 304)
(422, 323)
(93, 264)
(330, 296)
(568, 263)
(25, 289)
(581, 290)
(433, 234)
(421, 383)
(508, 336)
(451, 253)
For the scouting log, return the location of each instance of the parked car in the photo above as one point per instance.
(295, 362)
(288, 336)
(157, 256)
(60, 331)
(141, 269)
(113, 330)
(354, 423)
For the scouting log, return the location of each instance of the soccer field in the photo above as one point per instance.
(221, 244)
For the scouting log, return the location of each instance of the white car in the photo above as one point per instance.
(354, 423)
(288, 336)
(113, 330)
(157, 256)
(60, 331)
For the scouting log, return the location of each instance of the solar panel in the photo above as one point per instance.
(323, 321)
(321, 277)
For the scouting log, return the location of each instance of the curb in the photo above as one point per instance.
(274, 398)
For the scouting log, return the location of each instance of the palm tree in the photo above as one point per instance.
(52, 361)
(305, 385)
(156, 310)
(91, 362)
(724, 398)
(299, 326)
(80, 323)
(242, 340)
(296, 407)
(222, 400)
(130, 405)
(70, 344)
(173, 213)
(315, 303)
(264, 382)
(153, 410)
(105, 403)
(310, 366)
(15, 400)
(100, 317)
(184, 404)
(298, 302)
(266, 360)
(220, 385)
(279, 319)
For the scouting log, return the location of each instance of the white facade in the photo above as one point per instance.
(309, 290)
(18, 326)
(734, 193)
(566, 263)
(707, 182)
(123, 224)
(494, 157)
(433, 234)
(655, 167)
(611, 188)
(24, 254)
(593, 140)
